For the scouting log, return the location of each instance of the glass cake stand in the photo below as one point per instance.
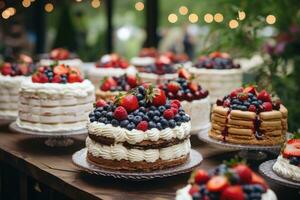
(4, 120)
(202, 130)
(249, 152)
(54, 139)
(79, 160)
(266, 169)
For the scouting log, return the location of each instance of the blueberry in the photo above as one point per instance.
(246, 103)
(137, 119)
(102, 119)
(142, 109)
(177, 117)
(92, 114)
(115, 122)
(178, 123)
(181, 113)
(130, 126)
(161, 109)
(164, 123)
(159, 126)
(146, 118)
(124, 123)
(92, 119)
(141, 114)
(156, 113)
(255, 103)
(247, 188)
(106, 107)
(294, 161)
(141, 90)
(254, 98)
(184, 85)
(235, 101)
(136, 112)
(172, 123)
(97, 114)
(243, 108)
(150, 114)
(152, 124)
(142, 103)
(250, 95)
(130, 117)
(109, 115)
(153, 108)
(103, 113)
(255, 195)
(156, 118)
(140, 96)
(258, 188)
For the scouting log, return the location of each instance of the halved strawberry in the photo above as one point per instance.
(217, 184)
(160, 98)
(244, 172)
(201, 177)
(193, 86)
(292, 148)
(267, 106)
(243, 96)
(73, 78)
(256, 179)
(233, 193)
(43, 78)
(61, 69)
(264, 96)
(250, 89)
(129, 102)
(173, 87)
(183, 73)
(59, 54)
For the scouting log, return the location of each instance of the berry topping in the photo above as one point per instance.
(292, 148)
(168, 114)
(112, 61)
(250, 89)
(201, 177)
(264, 96)
(182, 73)
(217, 184)
(120, 113)
(101, 103)
(216, 60)
(143, 126)
(22, 67)
(233, 193)
(129, 102)
(59, 54)
(256, 179)
(173, 87)
(252, 108)
(244, 172)
(267, 106)
(159, 98)
(122, 83)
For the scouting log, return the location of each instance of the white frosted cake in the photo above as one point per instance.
(218, 74)
(56, 99)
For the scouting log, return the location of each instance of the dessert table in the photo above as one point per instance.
(31, 170)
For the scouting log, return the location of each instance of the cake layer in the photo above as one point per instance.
(119, 152)
(8, 113)
(106, 95)
(7, 97)
(283, 168)
(155, 78)
(9, 106)
(199, 111)
(135, 136)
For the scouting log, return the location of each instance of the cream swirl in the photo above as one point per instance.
(283, 168)
(136, 136)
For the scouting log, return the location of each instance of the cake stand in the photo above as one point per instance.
(4, 120)
(204, 129)
(266, 169)
(54, 139)
(249, 152)
(79, 159)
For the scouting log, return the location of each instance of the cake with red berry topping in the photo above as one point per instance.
(109, 65)
(112, 86)
(12, 74)
(193, 98)
(139, 131)
(217, 73)
(247, 116)
(56, 98)
(230, 181)
(287, 164)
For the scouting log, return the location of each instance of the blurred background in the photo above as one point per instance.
(269, 29)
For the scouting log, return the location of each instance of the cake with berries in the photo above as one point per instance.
(247, 116)
(231, 181)
(139, 131)
(193, 98)
(287, 164)
(55, 99)
(218, 74)
(12, 74)
(145, 58)
(112, 86)
(109, 65)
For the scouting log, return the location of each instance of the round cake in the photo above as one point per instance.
(55, 99)
(139, 131)
(193, 98)
(109, 65)
(246, 116)
(218, 74)
(112, 86)
(232, 181)
(145, 58)
(288, 162)
(11, 77)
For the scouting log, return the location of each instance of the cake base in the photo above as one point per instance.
(80, 160)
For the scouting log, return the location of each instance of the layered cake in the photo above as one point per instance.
(145, 58)
(218, 74)
(288, 162)
(109, 65)
(246, 116)
(226, 182)
(55, 99)
(112, 86)
(139, 131)
(12, 74)
(193, 98)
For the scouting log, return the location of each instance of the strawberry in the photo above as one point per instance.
(101, 103)
(252, 108)
(43, 78)
(6, 69)
(267, 106)
(132, 81)
(250, 89)
(173, 87)
(292, 148)
(217, 184)
(105, 86)
(235, 92)
(35, 78)
(120, 113)
(193, 86)
(243, 96)
(112, 82)
(73, 78)
(215, 54)
(233, 193)
(143, 126)
(244, 173)
(42, 69)
(129, 102)
(160, 98)
(123, 64)
(60, 69)
(59, 54)
(168, 114)
(194, 189)
(183, 73)
(56, 79)
(256, 179)
(264, 96)
(201, 177)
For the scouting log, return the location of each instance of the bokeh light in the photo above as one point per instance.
(193, 18)
(5, 14)
(208, 18)
(233, 24)
(139, 6)
(242, 15)
(26, 3)
(183, 10)
(172, 18)
(271, 19)
(49, 7)
(218, 17)
(95, 3)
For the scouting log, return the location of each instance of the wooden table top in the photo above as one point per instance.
(53, 167)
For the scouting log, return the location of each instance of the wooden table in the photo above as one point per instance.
(31, 170)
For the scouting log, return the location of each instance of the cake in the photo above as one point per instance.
(246, 116)
(287, 164)
(217, 73)
(193, 98)
(55, 99)
(12, 74)
(112, 86)
(109, 65)
(145, 58)
(139, 131)
(61, 56)
(232, 181)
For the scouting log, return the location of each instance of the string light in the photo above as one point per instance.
(5, 14)
(233, 24)
(183, 10)
(270, 19)
(193, 18)
(95, 3)
(139, 6)
(26, 3)
(242, 15)
(49, 7)
(172, 18)
(218, 17)
(11, 11)
(208, 18)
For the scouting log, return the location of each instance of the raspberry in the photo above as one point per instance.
(175, 110)
(143, 126)
(120, 113)
(176, 102)
(252, 108)
(168, 114)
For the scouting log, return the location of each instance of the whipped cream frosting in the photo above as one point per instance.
(119, 152)
(183, 194)
(155, 78)
(135, 136)
(283, 168)
(142, 61)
